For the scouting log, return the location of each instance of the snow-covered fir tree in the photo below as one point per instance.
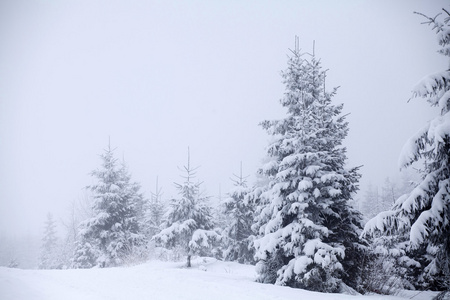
(419, 221)
(134, 199)
(78, 211)
(385, 269)
(371, 202)
(189, 223)
(114, 232)
(135, 218)
(49, 258)
(238, 234)
(155, 212)
(309, 231)
(221, 220)
(389, 194)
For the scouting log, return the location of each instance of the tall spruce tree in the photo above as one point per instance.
(114, 231)
(238, 233)
(420, 221)
(189, 221)
(309, 231)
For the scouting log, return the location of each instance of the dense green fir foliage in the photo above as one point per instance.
(309, 232)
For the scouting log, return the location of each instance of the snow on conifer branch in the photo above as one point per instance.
(189, 222)
(308, 231)
(421, 219)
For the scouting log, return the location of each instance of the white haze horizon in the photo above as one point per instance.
(157, 77)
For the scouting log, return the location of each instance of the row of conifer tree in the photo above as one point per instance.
(297, 222)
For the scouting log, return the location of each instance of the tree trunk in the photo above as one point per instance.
(188, 264)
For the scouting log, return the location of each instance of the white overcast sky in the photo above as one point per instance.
(159, 76)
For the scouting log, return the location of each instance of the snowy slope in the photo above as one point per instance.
(208, 279)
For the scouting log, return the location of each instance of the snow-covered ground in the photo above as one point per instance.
(208, 279)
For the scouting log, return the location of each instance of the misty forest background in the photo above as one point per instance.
(304, 222)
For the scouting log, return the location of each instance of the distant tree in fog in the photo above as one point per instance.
(13, 263)
(371, 201)
(238, 234)
(50, 256)
(78, 211)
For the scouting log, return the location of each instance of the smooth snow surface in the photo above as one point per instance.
(208, 279)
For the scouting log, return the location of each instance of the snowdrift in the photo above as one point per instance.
(207, 279)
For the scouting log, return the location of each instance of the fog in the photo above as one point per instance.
(157, 77)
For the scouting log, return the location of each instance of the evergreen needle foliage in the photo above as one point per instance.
(114, 232)
(418, 225)
(238, 234)
(189, 222)
(49, 258)
(309, 232)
